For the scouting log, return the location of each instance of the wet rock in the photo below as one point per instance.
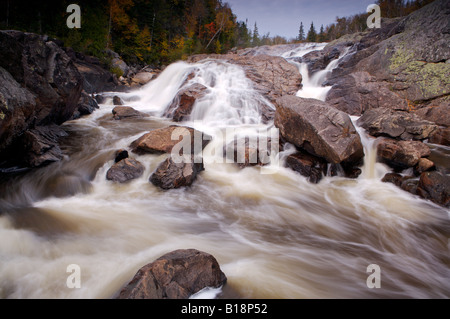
(40, 87)
(125, 170)
(401, 154)
(87, 104)
(161, 141)
(122, 112)
(41, 145)
(440, 136)
(120, 155)
(117, 100)
(396, 124)
(393, 178)
(183, 103)
(272, 76)
(178, 173)
(435, 187)
(423, 165)
(319, 129)
(249, 151)
(312, 167)
(176, 275)
(142, 78)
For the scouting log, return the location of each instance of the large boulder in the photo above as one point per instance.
(435, 187)
(163, 140)
(318, 128)
(176, 275)
(125, 170)
(396, 124)
(401, 154)
(183, 103)
(172, 173)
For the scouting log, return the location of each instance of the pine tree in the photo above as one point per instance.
(301, 33)
(312, 34)
(321, 37)
(255, 39)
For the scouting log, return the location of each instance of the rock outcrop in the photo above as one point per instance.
(163, 140)
(123, 112)
(40, 87)
(407, 57)
(319, 129)
(183, 103)
(176, 275)
(125, 170)
(172, 174)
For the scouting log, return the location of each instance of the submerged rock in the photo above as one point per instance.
(318, 128)
(176, 275)
(125, 170)
(172, 174)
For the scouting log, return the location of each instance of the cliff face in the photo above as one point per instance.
(41, 88)
(404, 65)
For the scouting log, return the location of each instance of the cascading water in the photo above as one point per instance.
(275, 235)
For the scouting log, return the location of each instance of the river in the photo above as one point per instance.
(274, 234)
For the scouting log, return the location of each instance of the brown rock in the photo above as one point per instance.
(176, 275)
(125, 170)
(435, 187)
(117, 100)
(401, 154)
(121, 112)
(312, 167)
(423, 165)
(249, 151)
(183, 103)
(171, 174)
(396, 124)
(440, 136)
(160, 140)
(318, 128)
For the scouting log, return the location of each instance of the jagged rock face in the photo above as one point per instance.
(272, 76)
(396, 124)
(40, 87)
(318, 128)
(406, 56)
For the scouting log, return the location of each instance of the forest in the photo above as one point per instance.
(158, 32)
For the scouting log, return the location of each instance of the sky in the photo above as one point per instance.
(283, 17)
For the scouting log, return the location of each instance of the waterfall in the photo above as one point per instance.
(274, 235)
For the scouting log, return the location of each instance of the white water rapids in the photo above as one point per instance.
(274, 235)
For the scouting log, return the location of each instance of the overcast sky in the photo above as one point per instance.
(282, 17)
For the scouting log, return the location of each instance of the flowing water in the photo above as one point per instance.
(274, 234)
